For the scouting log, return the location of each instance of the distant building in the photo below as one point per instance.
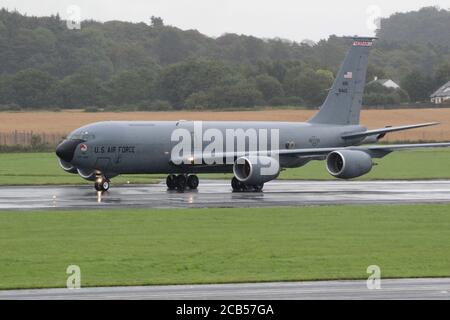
(388, 83)
(308, 42)
(442, 94)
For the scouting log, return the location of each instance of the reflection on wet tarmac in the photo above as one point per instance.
(99, 196)
(218, 194)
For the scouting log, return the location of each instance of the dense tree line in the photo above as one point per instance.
(152, 66)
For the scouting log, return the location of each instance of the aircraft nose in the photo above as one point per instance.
(66, 149)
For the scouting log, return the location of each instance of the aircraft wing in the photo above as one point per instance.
(383, 131)
(375, 151)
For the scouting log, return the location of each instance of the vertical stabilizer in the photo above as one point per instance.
(343, 103)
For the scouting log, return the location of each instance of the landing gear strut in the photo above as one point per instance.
(101, 184)
(239, 186)
(181, 181)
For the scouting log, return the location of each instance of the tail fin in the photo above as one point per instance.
(343, 103)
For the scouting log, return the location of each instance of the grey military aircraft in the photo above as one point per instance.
(255, 152)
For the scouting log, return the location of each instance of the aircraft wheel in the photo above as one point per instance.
(105, 185)
(181, 182)
(171, 181)
(258, 187)
(102, 185)
(192, 181)
(237, 185)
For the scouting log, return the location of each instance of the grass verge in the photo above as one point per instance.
(145, 247)
(42, 168)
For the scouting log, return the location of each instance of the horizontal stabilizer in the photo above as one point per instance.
(383, 131)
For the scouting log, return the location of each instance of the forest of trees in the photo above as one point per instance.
(139, 66)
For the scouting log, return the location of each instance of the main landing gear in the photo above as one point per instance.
(101, 184)
(239, 186)
(181, 181)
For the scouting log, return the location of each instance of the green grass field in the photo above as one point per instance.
(141, 247)
(42, 168)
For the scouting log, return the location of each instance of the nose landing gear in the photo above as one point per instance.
(101, 184)
(181, 181)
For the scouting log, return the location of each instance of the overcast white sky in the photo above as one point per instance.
(288, 19)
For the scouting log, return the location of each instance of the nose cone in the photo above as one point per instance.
(66, 149)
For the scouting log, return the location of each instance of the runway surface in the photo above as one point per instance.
(217, 193)
(390, 289)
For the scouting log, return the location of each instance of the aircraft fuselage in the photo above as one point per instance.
(131, 147)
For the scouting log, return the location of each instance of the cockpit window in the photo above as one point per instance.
(82, 135)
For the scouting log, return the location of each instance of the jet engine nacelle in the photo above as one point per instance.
(255, 170)
(87, 174)
(348, 164)
(67, 167)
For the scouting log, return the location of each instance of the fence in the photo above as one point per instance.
(30, 138)
(50, 140)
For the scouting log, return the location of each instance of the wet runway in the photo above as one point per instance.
(217, 193)
(438, 288)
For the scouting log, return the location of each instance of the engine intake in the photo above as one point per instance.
(348, 164)
(256, 170)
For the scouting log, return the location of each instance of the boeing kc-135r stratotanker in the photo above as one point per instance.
(254, 151)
